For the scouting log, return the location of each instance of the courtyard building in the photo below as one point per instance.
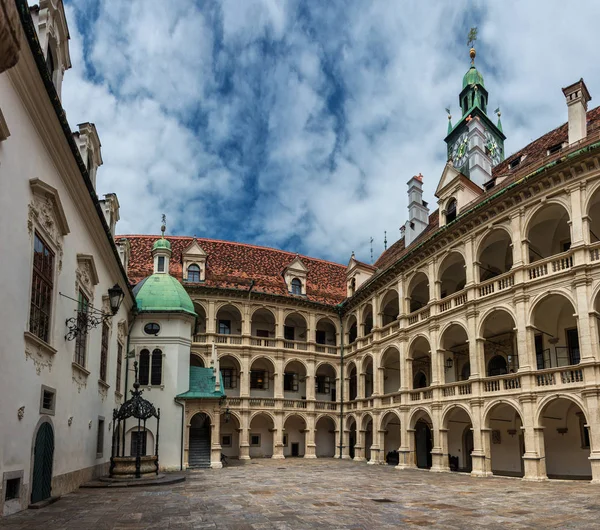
(470, 345)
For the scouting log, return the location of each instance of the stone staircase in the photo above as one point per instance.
(199, 449)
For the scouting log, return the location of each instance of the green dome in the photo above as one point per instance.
(161, 292)
(472, 77)
(161, 243)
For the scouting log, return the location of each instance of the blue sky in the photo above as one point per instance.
(296, 124)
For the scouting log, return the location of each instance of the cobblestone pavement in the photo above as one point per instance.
(325, 494)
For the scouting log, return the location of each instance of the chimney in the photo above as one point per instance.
(418, 213)
(577, 96)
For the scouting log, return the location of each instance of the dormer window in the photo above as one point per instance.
(161, 264)
(50, 63)
(296, 286)
(451, 211)
(193, 273)
(514, 163)
(555, 149)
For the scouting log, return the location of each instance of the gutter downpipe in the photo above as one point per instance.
(341, 446)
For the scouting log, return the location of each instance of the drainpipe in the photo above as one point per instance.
(182, 428)
(341, 382)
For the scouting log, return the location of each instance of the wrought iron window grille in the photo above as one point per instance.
(90, 317)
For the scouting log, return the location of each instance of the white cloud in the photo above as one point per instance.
(298, 124)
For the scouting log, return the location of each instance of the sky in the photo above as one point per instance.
(297, 124)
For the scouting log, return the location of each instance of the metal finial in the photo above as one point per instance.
(371, 251)
(471, 38)
(163, 227)
(136, 383)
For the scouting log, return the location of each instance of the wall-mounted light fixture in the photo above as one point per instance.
(91, 317)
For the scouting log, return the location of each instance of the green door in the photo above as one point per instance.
(43, 455)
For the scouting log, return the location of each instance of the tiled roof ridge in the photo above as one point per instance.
(249, 245)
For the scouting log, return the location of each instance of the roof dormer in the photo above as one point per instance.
(357, 273)
(295, 277)
(89, 145)
(454, 192)
(194, 263)
(110, 207)
(53, 36)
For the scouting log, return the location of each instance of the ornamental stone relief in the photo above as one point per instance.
(122, 331)
(42, 214)
(41, 358)
(83, 278)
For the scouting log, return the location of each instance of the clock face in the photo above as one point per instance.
(459, 151)
(494, 150)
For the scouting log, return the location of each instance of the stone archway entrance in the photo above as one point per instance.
(199, 442)
(43, 456)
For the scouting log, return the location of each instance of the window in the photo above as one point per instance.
(104, 351)
(161, 264)
(321, 337)
(255, 440)
(290, 382)
(554, 149)
(41, 289)
(152, 328)
(156, 375)
(322, 384)
(138, 440)
(119, 366)
(226, 440)
(144, 367)
(47, 400)
(296, 286)
(352, 286)
(225, 327)
(259, 379)
(100, 438)
(573, 345)
(229, 377)
(13, 487)
(288, 332)
(81, 338)
(193, 273)
(451, 211)
(514, 163)
(50, 63)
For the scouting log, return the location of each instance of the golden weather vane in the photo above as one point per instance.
(472, 36)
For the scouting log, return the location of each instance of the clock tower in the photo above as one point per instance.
(475, 143)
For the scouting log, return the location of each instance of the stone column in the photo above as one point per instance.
(577, 236)
(525, 341)
(376, 314)
(407, 437)
(405, 364)
(377, 374)
(215, 445)
(375, 447)
(481, 456)
(471, 277)
(346, 443)
(278, 437)
(244, 436)
(246, 321)
(211, 317)
(519, 258)
(533, 459)
(278, 377)
(439, 451)
(592, 398)
(309, 438)
(359, 448)
(310, 380)
(381, 444)
(476, 348)
(586, 342)
(245, 376)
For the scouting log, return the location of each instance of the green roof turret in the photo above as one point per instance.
(162, 293)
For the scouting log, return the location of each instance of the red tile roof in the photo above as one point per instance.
(234, 265)
(533, 154)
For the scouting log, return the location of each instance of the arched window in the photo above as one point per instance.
(451, 211)
(156, 375)
(497, 366)
(193, 273)
(296, 286)
(144, 367)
